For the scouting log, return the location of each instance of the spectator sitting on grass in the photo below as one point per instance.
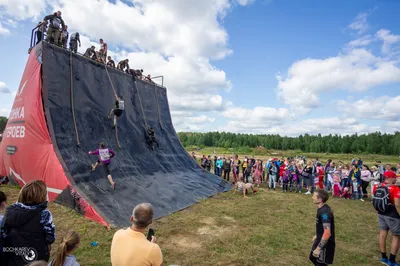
(28, 223)
(130, 246)
(69, 243)
(244, 188)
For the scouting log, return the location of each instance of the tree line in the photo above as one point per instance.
(373, 143)
(3, 123)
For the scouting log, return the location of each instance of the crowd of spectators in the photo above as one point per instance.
(347, 180)
(57, 33)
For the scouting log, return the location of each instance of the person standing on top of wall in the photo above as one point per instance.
(103, 46)
(64, 37)
(73, 42)
(117, 111)
(53, 33)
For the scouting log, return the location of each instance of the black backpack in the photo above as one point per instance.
(381, 200)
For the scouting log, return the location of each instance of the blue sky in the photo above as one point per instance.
(261, 66)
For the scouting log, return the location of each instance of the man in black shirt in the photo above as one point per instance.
(323, 249)
(110, 62)
(117, 111)
(151, 138)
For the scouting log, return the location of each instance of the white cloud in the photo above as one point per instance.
(23, 9)
(245, 2)
(4, 88)
(168, 27)
(388, 40)
(186, 121)
(201, 103)
(258, 115)
(4, 112)
(359, 23)
(4, 31)
(382, 108)
(393, 126)
(357, 70)
(363, 41)
(324, 126)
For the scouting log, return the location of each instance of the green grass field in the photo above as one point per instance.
(270, 228)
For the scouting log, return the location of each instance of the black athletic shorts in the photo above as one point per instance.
(117, 112)
(106, 168)
(327, 253)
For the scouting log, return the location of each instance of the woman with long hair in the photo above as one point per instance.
(68, 245)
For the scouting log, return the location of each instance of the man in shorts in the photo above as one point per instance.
(105, 155)
(323, 249)
(244, 188)
(389, 220)
(117, 111)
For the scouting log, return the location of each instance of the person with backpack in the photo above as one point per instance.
(28, 224)
(386, 201)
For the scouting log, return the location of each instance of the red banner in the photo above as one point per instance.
(26, 151)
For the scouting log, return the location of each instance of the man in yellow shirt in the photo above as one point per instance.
(130, 247)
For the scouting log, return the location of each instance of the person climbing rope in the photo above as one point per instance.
(117, 111)
(105, 155)
(151, 139)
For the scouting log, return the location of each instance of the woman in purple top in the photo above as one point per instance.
(105, 155)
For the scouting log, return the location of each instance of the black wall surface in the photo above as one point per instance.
(167, 178)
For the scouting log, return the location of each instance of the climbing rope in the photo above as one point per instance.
(141, 105)
(112, 85)
(72, 100)
(116, 98)
(158, 106)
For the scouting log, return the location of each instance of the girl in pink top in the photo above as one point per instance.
(336, 185)
(258, 172)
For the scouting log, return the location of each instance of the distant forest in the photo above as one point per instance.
(374, 143)
(3, 122)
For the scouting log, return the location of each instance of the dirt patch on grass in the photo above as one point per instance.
(185, 243)
(208, 221)
(230, 219)
(214, 231)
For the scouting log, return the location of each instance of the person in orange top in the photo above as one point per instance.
(130, 246)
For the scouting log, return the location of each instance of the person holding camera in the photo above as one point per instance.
(131, 247)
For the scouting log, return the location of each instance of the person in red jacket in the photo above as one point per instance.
(281, 171)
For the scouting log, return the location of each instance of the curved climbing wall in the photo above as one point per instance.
(167, 178)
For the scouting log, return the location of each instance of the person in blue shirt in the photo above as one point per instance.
(218, 166)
